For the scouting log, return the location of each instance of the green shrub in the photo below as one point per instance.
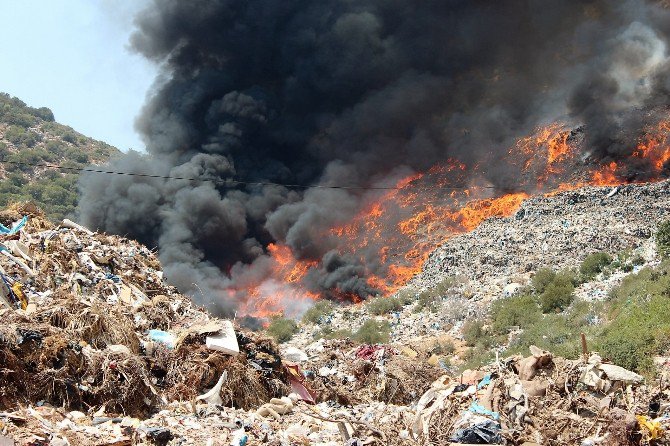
(319, 310)
(373, 332)
(663, 239)
(31, 138)
(521, 311)
(566, 277)
(594, 264)
(77, 155)
(383, 305)
(427, 300)
(282, 329)
(637, 260)
(476, 357)
(14, 134)
(542, 278)
(20, 119)
(443, 348)
(43, 113)
(406, 296)
(473, 331)
(17, 179)
(443, 287)
(639, 332)
(640, 320)
(557, 296)
(554, 332)
(70, 137)
(647, 282)
(56, 148)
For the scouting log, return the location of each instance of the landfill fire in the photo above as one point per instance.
(335, 144)
(438, 207)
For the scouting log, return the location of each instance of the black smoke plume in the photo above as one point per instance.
(340, 92)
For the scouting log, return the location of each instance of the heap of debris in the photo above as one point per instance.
(96, 349)
(89, 322)
(555, 231)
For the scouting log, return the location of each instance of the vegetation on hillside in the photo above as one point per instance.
(629, 328)
(29, 137)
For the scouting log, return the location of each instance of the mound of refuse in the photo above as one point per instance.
(96, 349)
(88, 321)
(542, 399)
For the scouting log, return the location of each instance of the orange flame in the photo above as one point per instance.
(393, 234)
(472, 214)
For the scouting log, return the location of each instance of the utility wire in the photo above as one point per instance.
(225, 182)
(233, 183)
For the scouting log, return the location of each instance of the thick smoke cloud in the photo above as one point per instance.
(357, 93)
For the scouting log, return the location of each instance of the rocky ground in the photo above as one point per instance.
(96, 350)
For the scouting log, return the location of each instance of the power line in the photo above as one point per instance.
(233, 183)
(225, 182)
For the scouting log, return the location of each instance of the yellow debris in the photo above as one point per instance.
(652, 428)
(17, 288)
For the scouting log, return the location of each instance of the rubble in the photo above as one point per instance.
(499, 257)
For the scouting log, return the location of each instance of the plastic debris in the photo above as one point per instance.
(225, 340)
(66, 223)
(294, 354)
(481, 410)
(298, 384)
(607, 377)
(213, 395)
(16, 227)
(240, 438)
(163, 337)
(276, 407)
(479, 430)
(651, 428)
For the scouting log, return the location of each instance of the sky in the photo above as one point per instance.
(73, 57)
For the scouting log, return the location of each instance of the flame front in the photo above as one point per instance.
(393, 234)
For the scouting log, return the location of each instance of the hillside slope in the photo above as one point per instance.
(31, 136)
(472, 276)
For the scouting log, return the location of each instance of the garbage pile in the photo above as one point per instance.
(96, 348)
(349, 374)
(555, 231)
(88, 321)
(501, 255)
(542, 399)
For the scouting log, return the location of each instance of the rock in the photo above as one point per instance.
(158, 435)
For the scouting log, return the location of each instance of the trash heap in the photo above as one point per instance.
(96, 349)
(555, 231)
(349, 374)
(88, 322)
(544, 400)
